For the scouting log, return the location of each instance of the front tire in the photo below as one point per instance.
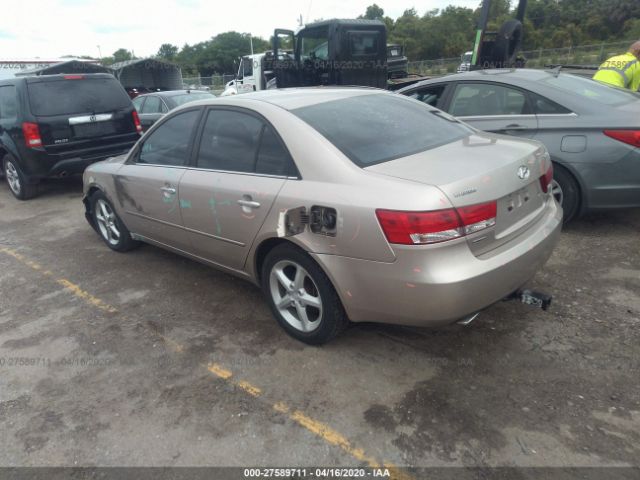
(16, 180)
(109, 226)
(566, 191)
(301, 296)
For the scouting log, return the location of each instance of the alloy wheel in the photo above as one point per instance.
(295, 295)
(556, 191)
(13, 179)
(106, 219)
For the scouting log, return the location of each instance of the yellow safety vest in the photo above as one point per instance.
(621, 71)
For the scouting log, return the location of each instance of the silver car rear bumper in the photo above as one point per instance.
(440, 284)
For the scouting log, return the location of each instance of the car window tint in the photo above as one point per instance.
(379, 127)
(480, 99)
(137, 103)
(152, 105)
(543, 106)
(229, 141)
(75, 95)
(429, 95)
(8, 102)
(273, 158)
(169, 143)
(591, 91)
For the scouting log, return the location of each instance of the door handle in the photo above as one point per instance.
(514, 126)
(248, 203)
(169, 190)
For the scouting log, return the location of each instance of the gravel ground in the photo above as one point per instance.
(149, 359)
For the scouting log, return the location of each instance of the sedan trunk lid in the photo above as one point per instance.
(478, 169)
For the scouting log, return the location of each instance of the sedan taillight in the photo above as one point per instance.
(420, 228)
(545, 180)
(630, 137)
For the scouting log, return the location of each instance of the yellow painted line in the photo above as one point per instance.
(318, 428)
(219, 371)
(333, 437)
(86, 296)
(250, 389)
(76, 290)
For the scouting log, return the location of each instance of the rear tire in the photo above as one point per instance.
(109, 226)
(16, 180)
(566, 191)
(301, 296)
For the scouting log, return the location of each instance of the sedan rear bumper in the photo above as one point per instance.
(440, 284)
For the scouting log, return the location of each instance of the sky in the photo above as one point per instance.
(53, 28)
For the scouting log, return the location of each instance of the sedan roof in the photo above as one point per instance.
(292, 98)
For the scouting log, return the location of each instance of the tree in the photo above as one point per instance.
(167, 52)
(373, 12)
(121, 55)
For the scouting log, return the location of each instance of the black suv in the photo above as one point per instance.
(55, 125)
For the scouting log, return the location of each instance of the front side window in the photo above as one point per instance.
(481, 99)
(229, 141)
(169, 144)
(315, 44)
(429, 95)
(8, 102)
(379, 127)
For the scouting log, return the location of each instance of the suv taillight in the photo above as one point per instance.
(31, 134)
(136, 122)
(630, 137)
(420, 228)
(545, 180)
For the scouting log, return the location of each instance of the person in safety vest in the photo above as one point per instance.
(622, 70)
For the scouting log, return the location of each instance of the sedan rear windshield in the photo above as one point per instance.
(376, 128)
(190, 97)
(72, 96)
(591, 90)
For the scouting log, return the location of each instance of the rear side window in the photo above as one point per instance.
(544, 106)
(8, 102)
(273, 159)
(152, 105)
(229, 141)
(69, 97)
(375, 128)
(169, 143)
(364, 44)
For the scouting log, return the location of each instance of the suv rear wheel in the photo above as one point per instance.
(16, 180)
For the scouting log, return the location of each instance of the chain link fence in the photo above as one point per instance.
(591, 55)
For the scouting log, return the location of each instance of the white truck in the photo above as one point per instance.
(251, 76)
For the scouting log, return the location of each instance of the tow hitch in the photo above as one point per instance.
(531, 297)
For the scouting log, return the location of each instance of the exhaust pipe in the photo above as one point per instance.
(468, 319)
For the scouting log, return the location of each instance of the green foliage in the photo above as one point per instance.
(167, 52)
(445, 33)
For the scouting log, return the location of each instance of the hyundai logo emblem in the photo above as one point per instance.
(523, 172)
(92, 118)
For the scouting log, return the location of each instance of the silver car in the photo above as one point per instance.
(591, 130)
(341, 204)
